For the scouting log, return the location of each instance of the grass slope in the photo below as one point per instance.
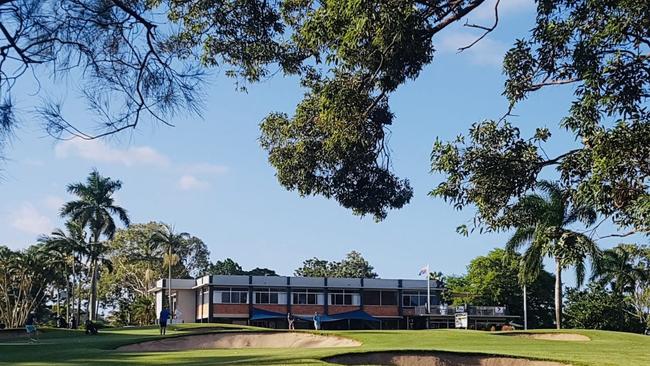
(64, 347)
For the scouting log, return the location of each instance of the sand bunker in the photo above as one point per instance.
(433, 359)
(242, 340)
(552, 336)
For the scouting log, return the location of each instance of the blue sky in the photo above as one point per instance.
(208, 176)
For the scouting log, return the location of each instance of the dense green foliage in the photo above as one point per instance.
(25, 277)
(625, 269)
(493, 280)
(598, 308)
(230, 267)
(600, 49)
(139, 259)
(352, 266)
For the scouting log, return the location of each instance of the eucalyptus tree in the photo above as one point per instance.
(543, 232)
(94, 210)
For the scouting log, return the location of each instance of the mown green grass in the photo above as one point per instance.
(64, 347)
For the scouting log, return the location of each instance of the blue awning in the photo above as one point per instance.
(355, 315)
(350, 315)
(261, 314)
(323, 318)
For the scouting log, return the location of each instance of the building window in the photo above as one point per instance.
(231, 296)
(377, 297)
(343, 297)
(270, 296)
(412, 299)
(307, 297)
(389, 298)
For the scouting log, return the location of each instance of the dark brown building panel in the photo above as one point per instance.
(271, 307)
(336, 309)
(307, 309)
(230, 309)
(381, 310)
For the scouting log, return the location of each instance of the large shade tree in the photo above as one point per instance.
(138, 256)
(493, 279)
(543, 232)
(354, 265)
(95, 210)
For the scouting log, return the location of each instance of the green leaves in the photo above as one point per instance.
(334, 146)
(352, 266)
(600, 49)
(496, 165)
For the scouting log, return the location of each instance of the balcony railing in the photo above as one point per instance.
(470, 310)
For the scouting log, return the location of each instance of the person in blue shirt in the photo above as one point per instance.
(31, 327)
(164, 315)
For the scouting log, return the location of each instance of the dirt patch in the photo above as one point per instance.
(434, 359)
(572, 337)
(241, 340)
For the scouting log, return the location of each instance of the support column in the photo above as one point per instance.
(211, 304)
(361, 296)
(288, 294)
(250, 298)
(326, 299)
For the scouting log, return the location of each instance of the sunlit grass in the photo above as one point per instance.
(64, 347)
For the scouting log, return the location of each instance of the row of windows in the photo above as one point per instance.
(315, 297)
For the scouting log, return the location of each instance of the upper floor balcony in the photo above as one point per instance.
(470, 310)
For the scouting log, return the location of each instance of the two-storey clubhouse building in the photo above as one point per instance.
(342, 303)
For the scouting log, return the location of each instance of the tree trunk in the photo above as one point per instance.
(78, 280)
(558, 294)
(169, 285)
(92, 309)
(78, 303)
(92, 306)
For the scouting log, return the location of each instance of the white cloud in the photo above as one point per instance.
(487, 52)
(96, 150)
(53, 202)
(190, 182)
(28, 219)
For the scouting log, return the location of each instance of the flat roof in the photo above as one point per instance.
(298, 282)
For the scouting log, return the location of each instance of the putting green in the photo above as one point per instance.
(64, 347)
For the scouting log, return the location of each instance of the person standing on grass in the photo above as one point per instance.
(164, 315)
(30, 327)
(317, 321)
(291, 320)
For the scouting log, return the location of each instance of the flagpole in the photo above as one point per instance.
(428, 290)
(525, 310)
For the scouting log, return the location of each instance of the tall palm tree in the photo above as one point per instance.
(95, 209)
(542, 226)
(173, 243)
(68, 248)
(622, 268)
